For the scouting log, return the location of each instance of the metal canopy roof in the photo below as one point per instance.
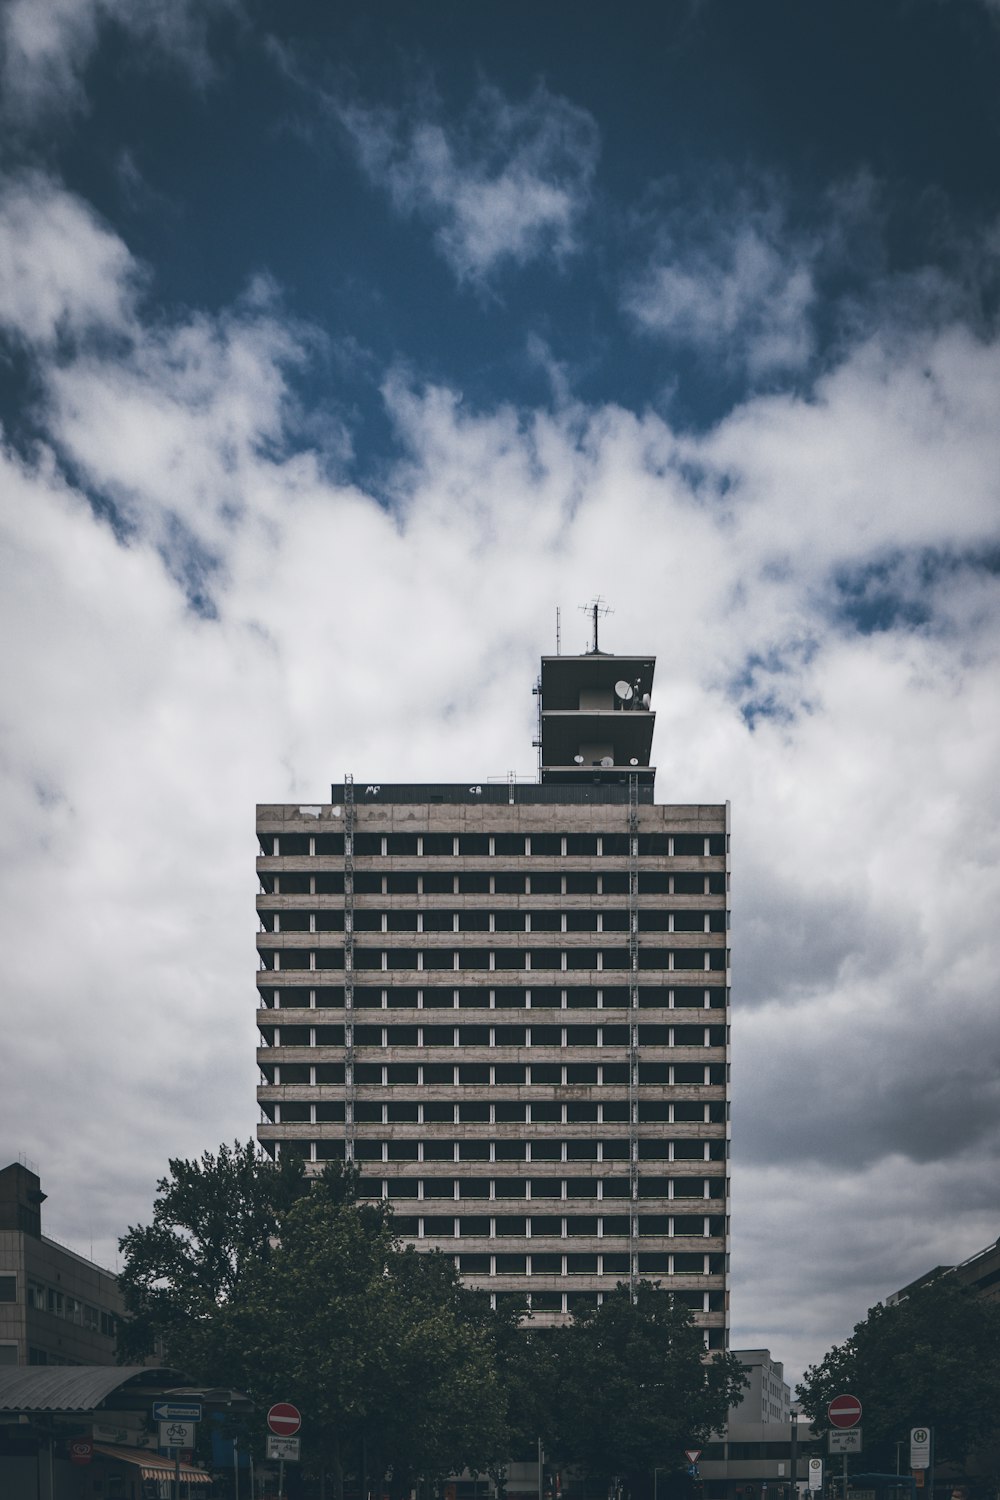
(79, 1388)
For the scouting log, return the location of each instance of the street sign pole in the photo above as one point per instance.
(281, 1479)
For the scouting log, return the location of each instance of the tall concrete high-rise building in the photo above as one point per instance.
(509, 1004)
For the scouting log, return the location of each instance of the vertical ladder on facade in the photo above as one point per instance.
(633, 1029)
(348, 967)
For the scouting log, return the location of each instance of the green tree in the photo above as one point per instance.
(213, 1218)
(253, 1276)
(932, 1359)
(635, 1388)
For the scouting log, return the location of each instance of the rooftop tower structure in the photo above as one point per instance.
(509, 1004)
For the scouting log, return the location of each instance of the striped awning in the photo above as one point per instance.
(153, 1465)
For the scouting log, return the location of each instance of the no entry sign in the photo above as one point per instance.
(284, 1419)
(844, 1411)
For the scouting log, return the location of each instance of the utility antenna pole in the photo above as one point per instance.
(558, 631)
(597, 609)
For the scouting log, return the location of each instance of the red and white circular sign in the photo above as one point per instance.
(844, 1411)
(81, 1450)
(284, 1419)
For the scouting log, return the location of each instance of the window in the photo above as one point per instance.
(8, 1288)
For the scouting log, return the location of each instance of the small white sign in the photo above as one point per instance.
(177, 1434)
(815, 1473)
(284, 1448)
(846, 1442)
(920, 1447)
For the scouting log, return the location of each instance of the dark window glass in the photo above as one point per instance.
(473, 1073)
(440, 1226)
(547, 1114)
(472, 921)
(439, 1187)
(546, 1073)
(509, 844)
(550, 1224)
(509, 958)
(581, 883)
(581, 844)
(438, 1073)
(580, 1265)
(473, 1187)
(546, 1264)
(545, 883)
(474, 1113)
(581, 1073)
(436, 883)
(616, 1265)
(329, 1111)
(509, 921)
(616, 1111)
(8, 1288)
(510, 1072)
(474, 1036)
(545, 1036)
(657, 1073)
(438, 1113)
(581, 1187)
(439, 999)
(507, 1112)
(510, 1150)
(579, 1225)
(329, 844)
(652, 1224)
(616, 1224)
(507, 1226)
(476, 1224)
(580, 1114)
(655, 1263)
(330, 1150)
(325, 1073)
(474, 1265)
(474, 1150)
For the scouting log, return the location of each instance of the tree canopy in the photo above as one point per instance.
(292, 1289)
(635, 1388)
(931, 1359)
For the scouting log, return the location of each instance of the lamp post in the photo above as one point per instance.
(663, 1469)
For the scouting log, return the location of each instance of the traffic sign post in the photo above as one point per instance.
(843, 1412)
(176, 1411)
(816, 1474)
(284, 1421)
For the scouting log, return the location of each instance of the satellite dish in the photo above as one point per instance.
(645, 700)
(624, 690)
(633, 761)
(578, 760)
(607, 760)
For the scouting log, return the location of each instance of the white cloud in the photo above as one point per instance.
(45, 46)
(61, 271)
(506, 185)
(747, 299)
(399, 640)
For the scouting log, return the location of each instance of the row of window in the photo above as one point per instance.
(49, 1299)
(478, 1111)
(409, 1112)
(530, 959)
(481, 883)
(567, 1302)
(657, 1148)
(585, 1226)
(510, 1188)
(501, 845)
(616, 1263)
(530, 1075)
(496, 1036)
(613, 919)
(503, 997)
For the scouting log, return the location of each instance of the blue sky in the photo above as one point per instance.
(338, 346)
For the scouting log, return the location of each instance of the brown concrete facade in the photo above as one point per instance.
(516, 1020)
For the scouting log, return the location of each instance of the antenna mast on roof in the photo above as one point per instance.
(558, 631)
(598, 609)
